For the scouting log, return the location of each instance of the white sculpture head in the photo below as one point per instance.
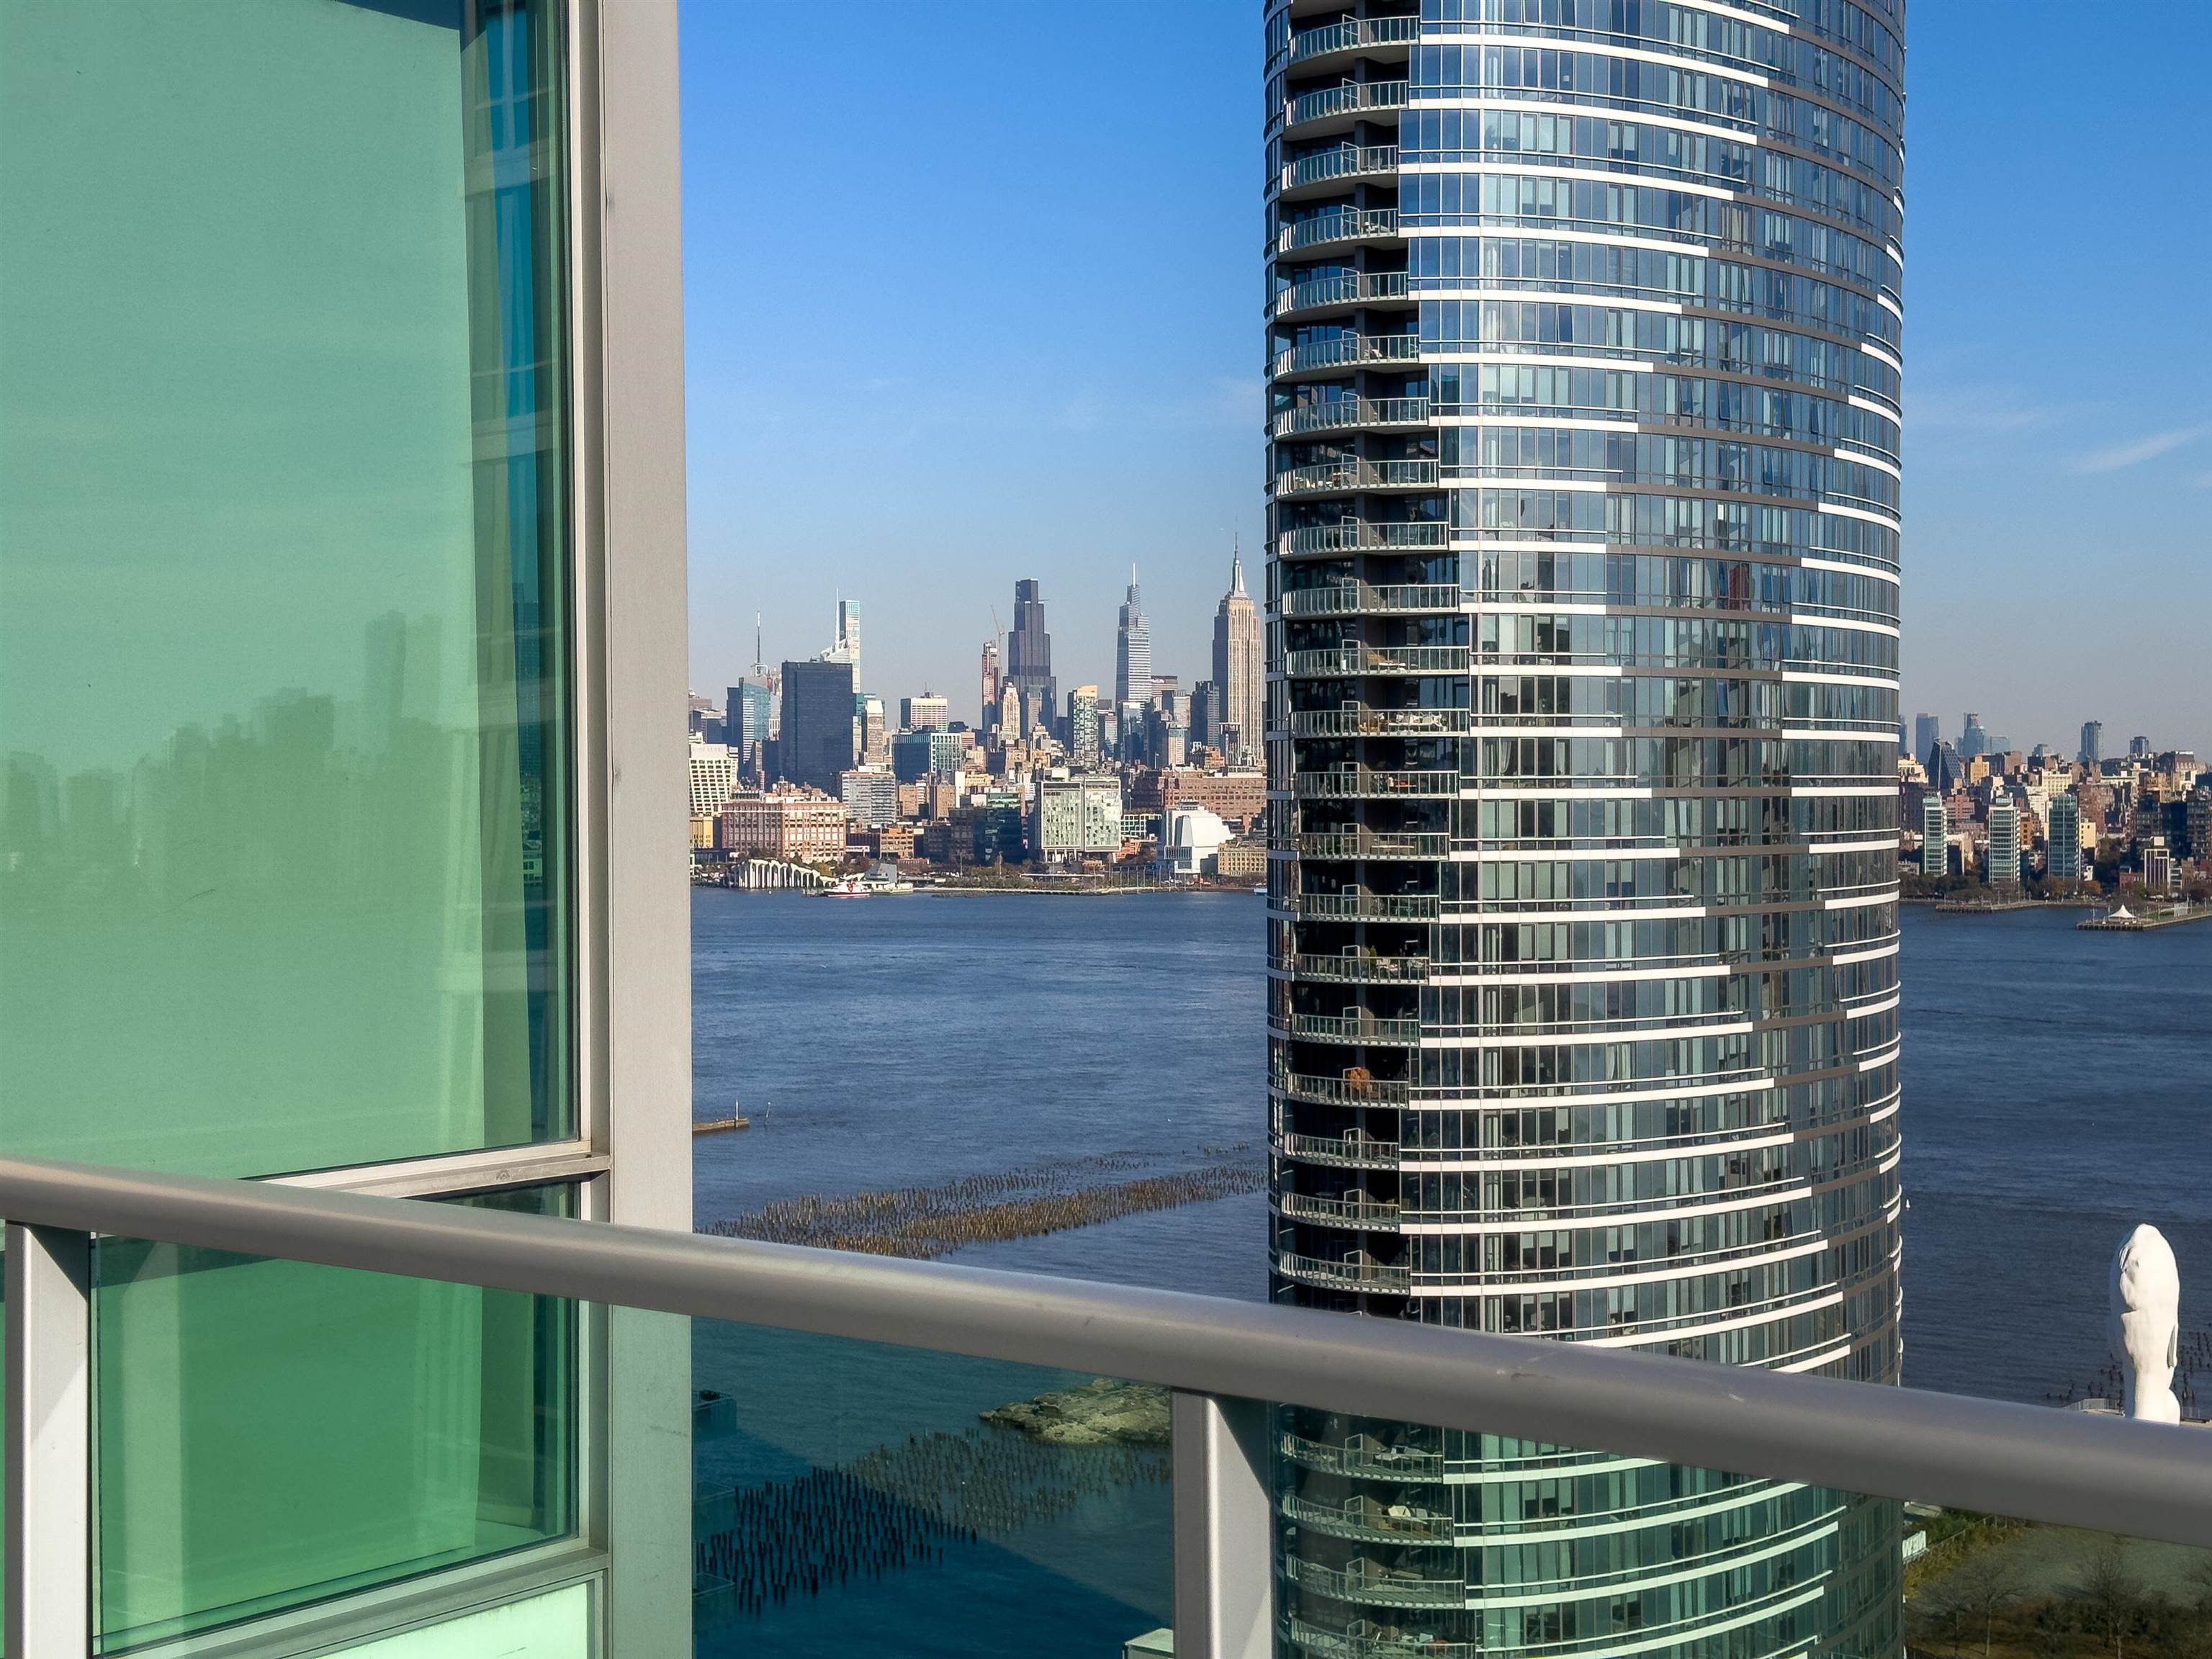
(2147, 1324)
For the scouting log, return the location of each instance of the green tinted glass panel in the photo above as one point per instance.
(272, 1433)
(555, 1625)
(283, 864)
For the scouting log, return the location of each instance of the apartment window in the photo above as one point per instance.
(285, 858)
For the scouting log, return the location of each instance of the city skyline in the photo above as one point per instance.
(2054, 563)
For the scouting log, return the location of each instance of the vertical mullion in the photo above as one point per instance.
(1224, 1584)
(48, 1444)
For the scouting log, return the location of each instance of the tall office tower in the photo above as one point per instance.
(1240, 672)
(848, 648)
(2062, 837)
(2003, 858)
(1973, 739)
(989, 698)
(2138, 748)
(2092, 742)
(1583, 342)
(1927, 733)
(926, 712)
(1132, 649)
(1935, 836)
(871, 736)
(1028, 659)
(815, 745)
(1083, 748)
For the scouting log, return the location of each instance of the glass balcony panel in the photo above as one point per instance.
(854, 1497)
(283, 866)
(270, 1433)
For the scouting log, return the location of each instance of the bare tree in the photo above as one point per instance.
(1980, 1588)
(2111, 1588)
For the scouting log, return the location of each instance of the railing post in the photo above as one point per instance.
(48, 1444)
(1224, 1584)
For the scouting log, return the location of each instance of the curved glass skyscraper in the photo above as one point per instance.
(1582, 330)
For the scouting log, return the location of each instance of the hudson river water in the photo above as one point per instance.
(2057, 1092)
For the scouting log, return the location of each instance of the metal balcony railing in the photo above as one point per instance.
(1351, 1273)
(1359, 722)
(1353, 967)
(1335, 413)
(1371, 783)
(1353, 33)
(1384, 1523)
(1348, 535)
(1358, 906)
(1352, 1150)
(1362, 843)
(1353, 97)
(1340, 288)
(1347, 350)
(1219, 1357)
(1345, 161)
(1339, 1211)
(1336, 225)
(1343, 1091)
(1328, 662)
(1337, 476)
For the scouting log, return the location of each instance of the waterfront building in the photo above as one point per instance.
(1927, 733)
(2092, 743)
(1028, 660)
(817, 742)
(712, 778)
(869, 797)
(1240, 673)
(2160, 872)
(336, 404)
(2061, 838)
(1132, 650)
(925, 713)
(2002, 853)
(1584, 394)
(1240, 798)
(798, 826)
(1086, 747)
(1935, 835)
(1076, 817)
(1191, 838)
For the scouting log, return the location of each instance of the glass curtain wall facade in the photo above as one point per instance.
(290, 797)
(1583, 334)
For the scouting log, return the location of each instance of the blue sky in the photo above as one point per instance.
(973, 294)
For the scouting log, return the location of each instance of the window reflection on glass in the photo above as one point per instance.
(284, 862)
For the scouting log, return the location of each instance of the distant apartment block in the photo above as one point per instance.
(870, 795)
(1935, 836)
(712, 778)
(926, 713)
(1076, 817)
(2003, 853)
(2062, 858)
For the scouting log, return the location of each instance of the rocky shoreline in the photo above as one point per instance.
(1101, 1413)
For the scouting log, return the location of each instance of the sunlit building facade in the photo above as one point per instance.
(1583, 334)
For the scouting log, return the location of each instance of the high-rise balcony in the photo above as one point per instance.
(1346, 350)
(1359, 535)
(1353, 35)
(1335, 414)
(1351, 1274)
(1361, 842)
(1361, 722)
(1356, 905)
(1342, 1090)
(1337, 227)
(1339, 477)
(1367, 1520)
(1343, 1645)
(1345, 162)
(1334, 103)
(1375, 1458)
(1339, 289)
(1353, 967)
(1366, 1213)
(1332, 662)
(1350, 1151)
(1372, 783)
